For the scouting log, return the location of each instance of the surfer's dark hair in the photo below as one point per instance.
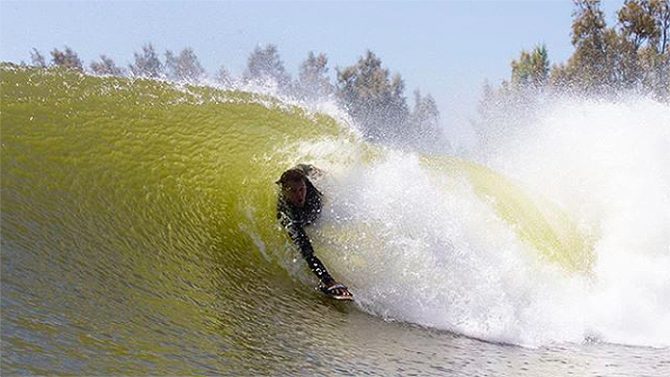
(291, 175)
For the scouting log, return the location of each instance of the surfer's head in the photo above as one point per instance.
(294, 188)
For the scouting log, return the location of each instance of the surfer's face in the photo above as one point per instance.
(295, 193)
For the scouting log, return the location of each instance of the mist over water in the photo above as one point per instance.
(607, 164)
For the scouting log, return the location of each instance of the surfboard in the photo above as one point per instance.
(340, 298)
(335, 296)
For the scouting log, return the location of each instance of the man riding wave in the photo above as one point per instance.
(299, 205)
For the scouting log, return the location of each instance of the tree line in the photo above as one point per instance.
(633, 56)
(373, 96)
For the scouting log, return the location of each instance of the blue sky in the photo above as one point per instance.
(445, 48)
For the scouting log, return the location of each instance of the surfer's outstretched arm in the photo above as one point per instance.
(300, 238)
(328, 284)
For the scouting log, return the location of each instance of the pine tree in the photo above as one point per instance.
(264, 64)
(106, 66)
(147, 63)
(373, 99)
(589, 68)
(313, 79)
(184, 67)
(532, 69)
(67, 59)
(652, 23)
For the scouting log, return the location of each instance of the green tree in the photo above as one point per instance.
(184, 67)
(654, 57)
(632, 56)
(313, 81)
(373, 98)
(589, 68)
(604, 59)
(637, 22)
(67, 59)
(661, 11)
(532, 69)
(264, 64)
(147, 63)
(106, 66)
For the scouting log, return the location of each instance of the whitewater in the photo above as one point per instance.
(607, 163)
(139, 236)
(449, 261)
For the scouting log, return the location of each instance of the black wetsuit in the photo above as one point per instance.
(294, 219)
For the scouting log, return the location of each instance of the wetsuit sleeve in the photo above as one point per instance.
(297, 234)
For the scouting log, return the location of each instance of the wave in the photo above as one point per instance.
(545, 252)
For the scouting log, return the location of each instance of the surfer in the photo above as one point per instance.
(299, 205)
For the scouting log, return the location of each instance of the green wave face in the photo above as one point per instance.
(539, 223)
(131, 209)
(128, 148)
(143, 152)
